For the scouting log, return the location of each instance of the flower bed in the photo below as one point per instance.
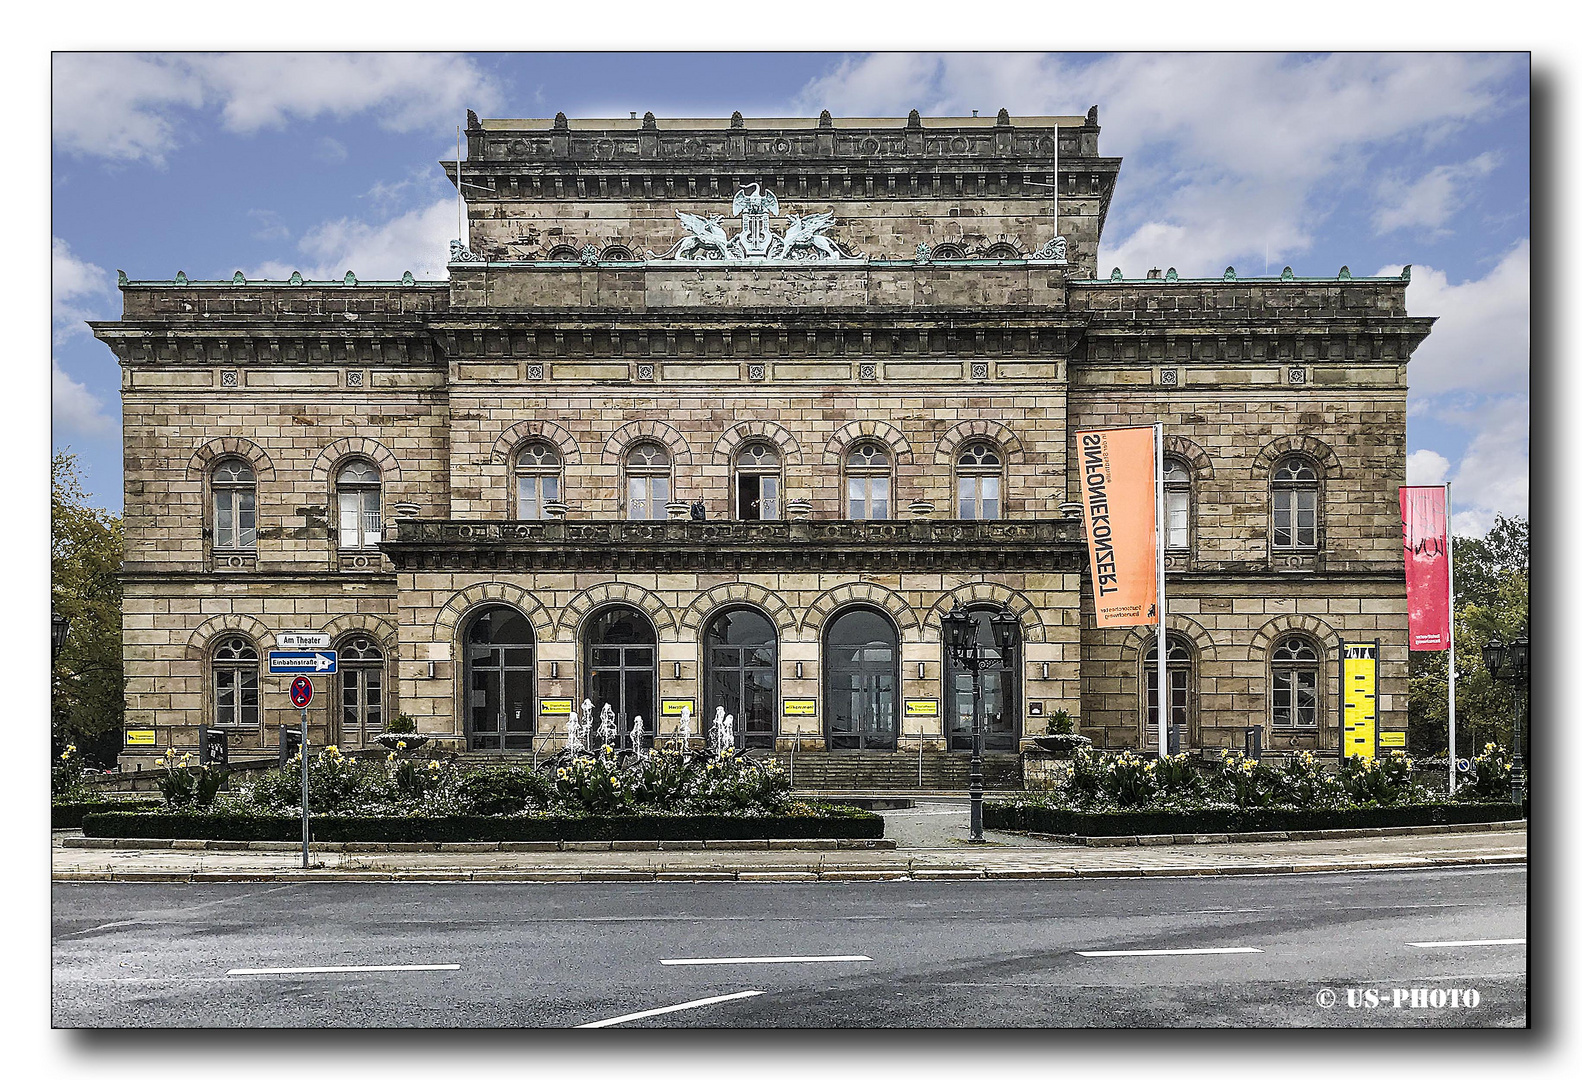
(1126, 795)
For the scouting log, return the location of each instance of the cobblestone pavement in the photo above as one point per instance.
(930, 843)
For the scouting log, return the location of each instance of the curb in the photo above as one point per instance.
(1168, 839)
(370, 847)
(742, 874)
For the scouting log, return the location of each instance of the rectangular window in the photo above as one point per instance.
(235, 520)
(868, 497)
(236, 697)
(646, 497)
(1176, 530)
(1295, 699)
(1178, 695)
(359, 519)
(532, 492)
(1295, 518)
(757, 497)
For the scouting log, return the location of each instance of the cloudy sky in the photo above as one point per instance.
(326, 162)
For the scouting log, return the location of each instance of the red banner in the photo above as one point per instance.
(1117, 470)
(1426, 533)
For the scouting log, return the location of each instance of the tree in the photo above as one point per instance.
(1490, 601)
(86, 547)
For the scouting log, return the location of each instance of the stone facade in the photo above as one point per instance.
(437, 386)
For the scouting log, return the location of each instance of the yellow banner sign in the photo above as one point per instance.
(140, 737)
(672, 706)
(800, 707)
(554, 706)
(1359, 679)
(1392, 738)
(922, 706)
(1117, 470)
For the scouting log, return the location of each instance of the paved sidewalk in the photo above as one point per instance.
(930, 845)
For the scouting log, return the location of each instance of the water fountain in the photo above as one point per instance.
(607, 728)
(637, 735)
(684, 732)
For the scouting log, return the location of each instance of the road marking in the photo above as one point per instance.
(1458, 944)
(1170, 952)
(336, 971)
(767, 960)
(698, 1004)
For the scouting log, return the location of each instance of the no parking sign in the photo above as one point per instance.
(301, 691)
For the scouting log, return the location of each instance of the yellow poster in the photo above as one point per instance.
(922, 706)
(140, 737)
(1395, 739)
(1116, 466)
(1359, 678)
(672, 706)
(554, 706)
(800, 707)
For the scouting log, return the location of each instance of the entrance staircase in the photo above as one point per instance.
(883, 770)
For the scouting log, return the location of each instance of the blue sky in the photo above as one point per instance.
(326, 162)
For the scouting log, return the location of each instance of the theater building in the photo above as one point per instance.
(727, 413)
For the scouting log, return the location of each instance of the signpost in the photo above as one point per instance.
(301, 695)
(302, 639)
(302, 662)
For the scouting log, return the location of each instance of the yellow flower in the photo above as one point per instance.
(71, 748)
(433, 766)
(401, 744)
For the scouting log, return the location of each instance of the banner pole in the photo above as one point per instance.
(1450, 555)
(1159, 546)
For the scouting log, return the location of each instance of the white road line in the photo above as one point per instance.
(698, 1004)
(1458, 944)
(766, 960)
(1169, 952)
(336, 971)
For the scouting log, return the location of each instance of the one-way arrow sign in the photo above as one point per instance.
(317, 662)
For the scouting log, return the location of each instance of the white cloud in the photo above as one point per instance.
(418, 241)
(76, 410)
(1482, 339)
(127, 106)
(1237, 145)
(1428, 202)
(1492, 476)
(1426, 468)
(330, 151)
(75, 285)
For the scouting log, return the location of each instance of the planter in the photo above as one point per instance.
(798, 510)
(413, 741)
(1062, 746)
(678, 511)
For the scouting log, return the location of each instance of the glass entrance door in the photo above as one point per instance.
(741, 663)
(861, 676)
(500, 681)
(362, 697)
(622, 672)
(998, 700)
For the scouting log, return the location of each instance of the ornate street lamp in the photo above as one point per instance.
(961, 639)
(59, 626)
(1509, 664)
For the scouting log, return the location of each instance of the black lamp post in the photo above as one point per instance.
(59, 626)
(1509, 664)
(966, 651)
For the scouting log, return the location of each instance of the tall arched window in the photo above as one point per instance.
(758, 482)
(357, 500)
(620, 662)
(235, 683)
(861, 681)
(978, 478)
(1178, 671)
(1178, 505)
(362, 691)
(868, 482)
(537, 480)
(997, 701)
(235, 505)
(1293, 683)
(647, 481)
(740, 662)
(1295, 504)
(499, 686)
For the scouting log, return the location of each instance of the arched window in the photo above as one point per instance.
(1293, 681)
(997, 701)
(1178, 505)
(647, 481)
(499, 686)
(235, 505)
(537, 480)
(978, 475)
(357, 499)
(758, 482)
(621, 664)
(1295, 504)
(868, 482)
(235, 683)
(861, 681)
(362, 691)
(1002, 251)
(740, 661)
(617, 253)
(949, 251)
(1178, 672)
(562, 253)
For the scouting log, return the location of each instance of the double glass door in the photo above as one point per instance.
(862, 676)
(997, 704)
(621, 673)
(741, 676)
(500, 681)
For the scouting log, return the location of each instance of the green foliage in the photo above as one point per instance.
(592, 784)
(508, 790)
(1034, 815)
(1491, 601)
(1060, 723)
(68, 778)
(401, 725)
(333, 780)
(183, 785)
(1383, 780)
(86, 548)
(663, 778)
(1492, 780)
(735, 784)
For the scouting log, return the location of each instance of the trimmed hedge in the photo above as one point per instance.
(834, 823)
(70, 815)
(1045, 819)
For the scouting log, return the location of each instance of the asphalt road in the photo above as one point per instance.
(941, 954)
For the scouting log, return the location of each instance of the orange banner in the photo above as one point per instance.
(1117, 470)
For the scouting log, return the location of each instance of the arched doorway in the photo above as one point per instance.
(361, 668)
(862, 677)
(998, 699)
(499, 680)
(619, 658)
(740, 660)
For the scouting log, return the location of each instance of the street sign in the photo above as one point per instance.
(301, 691)
(293, 662)
(302, 639)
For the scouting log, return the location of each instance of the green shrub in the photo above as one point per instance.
(1033, 817)
(182, 785)
(734, 783)
(592, 784)
(493, 791)
(401, 725)
(1492, 780)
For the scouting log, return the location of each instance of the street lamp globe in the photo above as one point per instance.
(1493, 656)
(958, 632)
(1005, 626)
(1517, 654)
